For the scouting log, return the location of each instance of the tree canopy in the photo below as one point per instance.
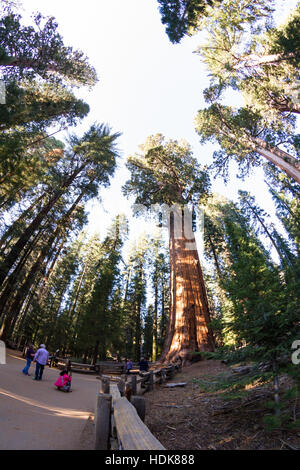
(182, 16)
(38, 50)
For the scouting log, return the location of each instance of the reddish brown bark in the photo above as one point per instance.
(189, 313)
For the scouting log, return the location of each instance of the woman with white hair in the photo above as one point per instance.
(41, 358)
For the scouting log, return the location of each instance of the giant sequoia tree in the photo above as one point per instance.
(166, 173)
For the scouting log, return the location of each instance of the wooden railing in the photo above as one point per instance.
(120, 408)
(119, 421)
(146, 380)
(103, 367)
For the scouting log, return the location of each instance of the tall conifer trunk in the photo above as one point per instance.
(169, 176)
(189, 313)
(17, 248)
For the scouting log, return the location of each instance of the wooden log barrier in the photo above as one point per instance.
(133, 434)
(103, 421)
(115, 394)
(121, 387)
(140, 405)
(82, 365)
(151, 381)
(170, 371)
(119, 423)
(134, 385)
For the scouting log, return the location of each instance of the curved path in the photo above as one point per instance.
(36, 416)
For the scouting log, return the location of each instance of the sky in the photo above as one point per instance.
(146, 85)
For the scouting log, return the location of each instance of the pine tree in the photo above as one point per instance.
(99, 324)
(136, 297)
(159, 274)
(259, 314)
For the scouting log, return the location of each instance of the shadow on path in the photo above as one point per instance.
(34, 415)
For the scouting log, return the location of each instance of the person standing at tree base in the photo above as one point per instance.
(41, 359)
(29, 357)
(128, 366)
(143, 364)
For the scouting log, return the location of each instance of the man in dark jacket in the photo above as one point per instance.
(144, 366)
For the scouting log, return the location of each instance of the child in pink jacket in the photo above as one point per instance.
(64, 381)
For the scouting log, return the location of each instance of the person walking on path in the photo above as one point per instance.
(29, 356)
(41, 359)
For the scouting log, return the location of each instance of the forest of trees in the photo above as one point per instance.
(70, 290)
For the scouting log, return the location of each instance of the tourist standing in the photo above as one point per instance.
(128, 366)
(29, 357)
(41, 359)
(144, 366)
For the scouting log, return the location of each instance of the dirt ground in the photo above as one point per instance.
(36, 416)
(186, 418)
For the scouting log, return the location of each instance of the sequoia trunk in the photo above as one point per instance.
(189, 313)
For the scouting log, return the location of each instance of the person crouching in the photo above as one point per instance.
(63, 382)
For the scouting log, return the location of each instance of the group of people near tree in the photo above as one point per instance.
(143, 365)
(40, 357)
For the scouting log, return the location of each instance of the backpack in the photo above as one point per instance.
(66, 386)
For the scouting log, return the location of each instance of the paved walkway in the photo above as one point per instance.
(34, 415)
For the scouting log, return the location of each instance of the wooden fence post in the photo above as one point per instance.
(150, 386)
(133, 384)
(140, 405)
(121, 387)
(104, 385)
(103, 421)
